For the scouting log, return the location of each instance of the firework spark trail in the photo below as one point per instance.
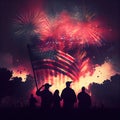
(45, 28)
(26, 25)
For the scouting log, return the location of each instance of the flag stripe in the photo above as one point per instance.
(63, 71)
(56, 60)
(57, 64)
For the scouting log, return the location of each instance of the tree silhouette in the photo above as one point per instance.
(107, 93)
(15, 88)
(20, 90)
(5, 76)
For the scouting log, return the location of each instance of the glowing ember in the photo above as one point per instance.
(20, 72)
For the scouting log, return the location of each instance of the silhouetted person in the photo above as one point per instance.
(32, 101)
(84, 100)
(46, 96)
(56, 100)
(69, 97)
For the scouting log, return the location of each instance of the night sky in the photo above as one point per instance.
(13, 50)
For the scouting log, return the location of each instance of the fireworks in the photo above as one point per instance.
(62, 32)
(66, 32)
(25, 26)
(62, 28)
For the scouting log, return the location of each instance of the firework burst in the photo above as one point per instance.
(72, 30)
(25, 25)
(63, 28)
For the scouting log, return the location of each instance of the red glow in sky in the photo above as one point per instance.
(66, 28)
(65, 32)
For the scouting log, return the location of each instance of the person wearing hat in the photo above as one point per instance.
(69, 97)
(46, 96)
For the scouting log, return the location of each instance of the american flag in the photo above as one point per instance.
(54, 60)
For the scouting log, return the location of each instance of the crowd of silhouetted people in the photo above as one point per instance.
(52, 101)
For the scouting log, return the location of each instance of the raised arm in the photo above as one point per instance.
(38, 91)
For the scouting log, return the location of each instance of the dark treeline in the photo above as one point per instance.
(13, 90)
(16, 93)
